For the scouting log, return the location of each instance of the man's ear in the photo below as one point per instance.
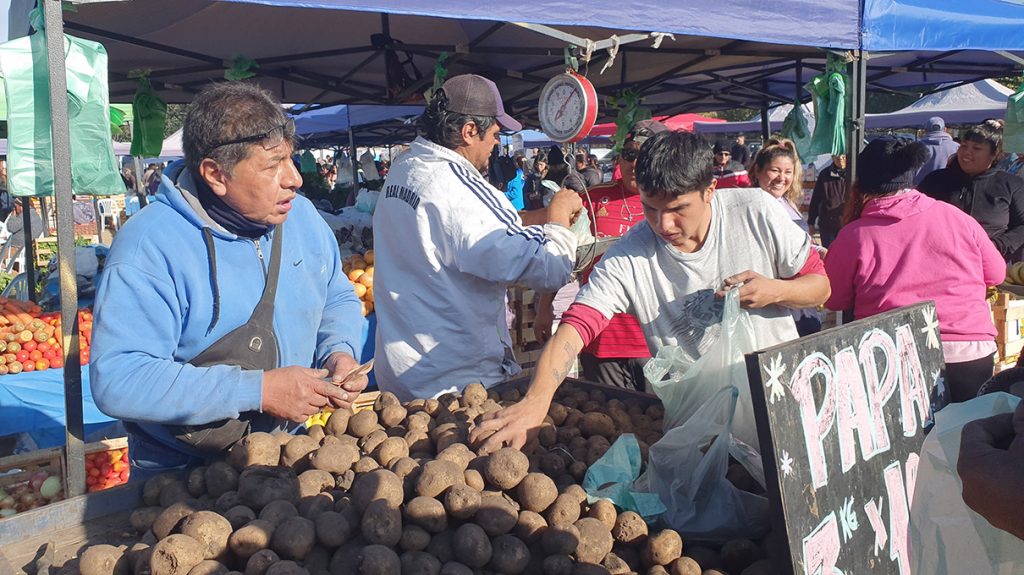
(214, 175)
(469, 133)
(710, 191)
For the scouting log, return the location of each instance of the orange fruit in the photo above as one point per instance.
(366, 279)
(355, 274)
(368, 256)
(369, 294)
(366, 308)
(360, 289)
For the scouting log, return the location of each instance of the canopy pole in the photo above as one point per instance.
(766, 127)
(74, 482)
(137, 162)
(30, 249)
(99, 219)
(355, 160)
(855, 127)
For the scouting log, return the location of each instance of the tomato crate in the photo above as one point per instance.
(15, 469)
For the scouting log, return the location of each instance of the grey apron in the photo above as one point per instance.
(251, 346)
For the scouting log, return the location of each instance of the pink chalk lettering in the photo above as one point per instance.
(816, 424)
(880, 389)
(821, 548)
(913, 460)
(899, 517)
(874, 512)
(913, 389)
(852, 411)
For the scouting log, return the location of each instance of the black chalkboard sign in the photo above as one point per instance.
(841, 418)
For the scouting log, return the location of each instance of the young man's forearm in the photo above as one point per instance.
(556, 360)
(810, 290)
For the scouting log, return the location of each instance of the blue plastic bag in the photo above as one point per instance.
(612, 477)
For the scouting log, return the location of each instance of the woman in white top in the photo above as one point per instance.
(776, 169)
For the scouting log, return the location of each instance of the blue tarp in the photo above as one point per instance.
(341, 117)
(943, 25)
(33, 403)
(823, 23)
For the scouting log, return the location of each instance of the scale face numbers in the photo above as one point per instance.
(568, 108)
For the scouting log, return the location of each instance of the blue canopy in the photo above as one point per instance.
(943, 25)
(821, 23)
(342, 117)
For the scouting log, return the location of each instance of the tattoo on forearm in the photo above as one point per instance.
(570, 358)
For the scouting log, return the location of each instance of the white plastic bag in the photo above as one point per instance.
(946, 536)
(581, 227)
(366, 201)
(701, 503)
(684, 385)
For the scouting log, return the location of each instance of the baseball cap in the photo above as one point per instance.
(935, 124)
(720, 146)
(477, 96)
(644, 129)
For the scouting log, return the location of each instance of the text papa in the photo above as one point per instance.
(857, 386)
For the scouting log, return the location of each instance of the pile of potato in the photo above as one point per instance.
(398, 490)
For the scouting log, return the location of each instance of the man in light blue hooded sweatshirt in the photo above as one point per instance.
(222, 308)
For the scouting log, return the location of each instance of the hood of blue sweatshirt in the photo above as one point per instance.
(178, 190)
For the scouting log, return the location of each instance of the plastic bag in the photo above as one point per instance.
(94, 167)
(700, 501)
(150, 121)
(684, 385)
(366, 201)
(581, 227)
(1013, 130)
(611, 477)
(946, 536)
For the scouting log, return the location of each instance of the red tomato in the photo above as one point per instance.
(90, 480)
(35, 355)
(42, 364)
(49, 354)
(21, 356)
(28, 366)
(43, 347)
(106, 468)
(29, 346)
(124, 476)
(93, 472)
(56, 362)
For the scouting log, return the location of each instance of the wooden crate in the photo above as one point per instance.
(19, 468)
(523, 302)
(1008, 316)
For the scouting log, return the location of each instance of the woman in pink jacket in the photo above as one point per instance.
(900, 247)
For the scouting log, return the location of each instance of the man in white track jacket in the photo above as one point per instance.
(448, 244)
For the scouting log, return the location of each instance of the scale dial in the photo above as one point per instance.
(568, 107)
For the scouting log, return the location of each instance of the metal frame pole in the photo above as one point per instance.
(855, 128)
(766, 126)
(30, 247)
(74, 482)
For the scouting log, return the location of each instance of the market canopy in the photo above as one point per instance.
(943, 24)
(776, 116)
(966, 104)
(337, 52)
(343, 117)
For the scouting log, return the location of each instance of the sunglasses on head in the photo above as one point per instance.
(268, 140)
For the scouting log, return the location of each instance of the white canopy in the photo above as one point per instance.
(966, 104)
